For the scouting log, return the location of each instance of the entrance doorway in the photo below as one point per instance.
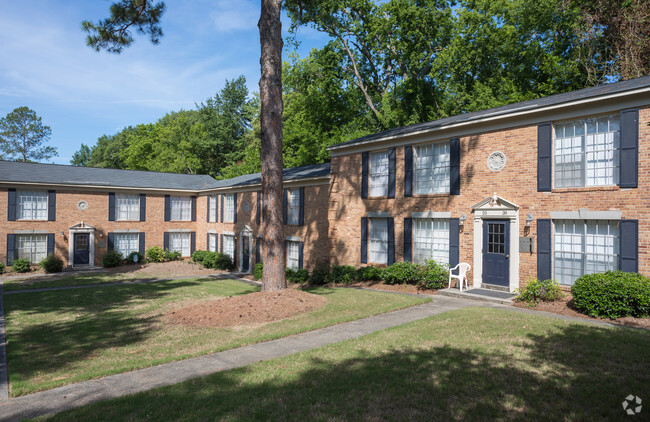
(81, 248)
(496, 252)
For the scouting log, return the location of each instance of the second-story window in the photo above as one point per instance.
(293, 206)
(432, 168)
(378, 172)
(586, 152)
(127, 207)
(31, 205)
(213, 208)
(181, 208)
(229, 208)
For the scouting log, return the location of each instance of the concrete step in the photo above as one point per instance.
(495, 287)
(484, 295)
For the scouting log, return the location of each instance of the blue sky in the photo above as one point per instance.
(82, 95)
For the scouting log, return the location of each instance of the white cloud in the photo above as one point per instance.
(235, 16)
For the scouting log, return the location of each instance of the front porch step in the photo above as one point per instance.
(483, 295)
(495, 287)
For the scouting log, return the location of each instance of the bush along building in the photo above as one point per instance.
(555, 187)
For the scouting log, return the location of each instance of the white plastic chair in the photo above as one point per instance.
(462, 268)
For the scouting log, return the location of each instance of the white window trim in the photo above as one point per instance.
(130, 249)
(229, 208)
(37, 203)
(183, 236)
(180, 205)
(136, 209)
(378, 240)
(440, 255)
(34, 243)
(371, 185)
(434, 146)
(293, 255)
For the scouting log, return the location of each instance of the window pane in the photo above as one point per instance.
(378, 240)
(180, 242)
(431, 240)
(127, 207)
(181, 208)
(293, 255)
(293, 204)
(432, 163)
(31, 247)
(126, 243)
(31, 205)
(213, 242)
(229, 208)
(378, 174)
(229, 246)
(213, 208)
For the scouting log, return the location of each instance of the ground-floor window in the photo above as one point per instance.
(293, 255)
(126, 243)
(431, 240)
(212, 238)
(378, 240)
(180, 242)
(584, 247)
(32, 247)
(229, 246)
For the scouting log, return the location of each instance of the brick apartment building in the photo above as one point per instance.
(551, 188)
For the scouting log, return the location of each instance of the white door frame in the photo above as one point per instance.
(493, 208)
(81, 228)
(246, 231)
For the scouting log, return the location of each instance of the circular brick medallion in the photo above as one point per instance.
(82, 205)
(496, 161)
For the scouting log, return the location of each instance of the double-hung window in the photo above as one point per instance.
(32, 247)
(229, 208)
(126, 243)
(127, 207)
(212, 239)
(584, 247)
(293, 255)
(31, 205)
(293, 206)
(181, 208)
(213, 208)
(229, 246)
(432, 168)
(180, 242)
(378, 240)
(586, 152)
(378, 174)
(431, 240)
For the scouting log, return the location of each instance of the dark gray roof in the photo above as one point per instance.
(294, 173)
(596, 91)
(57, 174)
(11, 171)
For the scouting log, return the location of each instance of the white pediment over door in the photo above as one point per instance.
(495, 206)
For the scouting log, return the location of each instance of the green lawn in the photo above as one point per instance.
(61, 337)
(471, 364)
(57, 280)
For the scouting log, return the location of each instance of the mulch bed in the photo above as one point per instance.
(253, 308)
(378, 285)
(565, 306)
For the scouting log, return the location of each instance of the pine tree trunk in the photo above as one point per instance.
(271, 121)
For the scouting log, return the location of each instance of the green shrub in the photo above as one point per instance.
(172, 255)
(540, 291)
(433, 275)
(111, 259)
(131, 259)
(258, 271)
(21, 265)
(200, 257)
(401, 273)
(222, 262)
(370, 273)
(345, 274)
(155, 254)
(320, 275)
(296, 276)
(613, 294)
(2, 268)
(52, 264)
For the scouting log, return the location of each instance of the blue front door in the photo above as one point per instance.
(81, 248)
(496, 252)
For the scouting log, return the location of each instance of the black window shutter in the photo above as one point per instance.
(408, 240)
(391, 173)
(50, 243)
(391, 240)
(166, 241)
(285, 211)
(143, 207)
(51, 205)
(168, 208)
(544, 249)
(629, 149)
(364, 240)
(11, 248)
(454, 166)
(301, 216)
(259, 211)
(454, 242)
(222, 207)
(629, 246)
(234, 206)
(111, 206)
(408, 171)
(364, 175)
(192, 242)
(258, 242)
(221, 243)
(11, 211)
(194, 208)
(141, 243)
(207, 217)
(301, 248)
(111, 241)
(207, 243)
(544, 154)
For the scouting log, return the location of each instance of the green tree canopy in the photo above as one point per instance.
(23, 136)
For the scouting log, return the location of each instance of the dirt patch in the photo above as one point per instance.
(163, 269)
(401, 288)
(253, 308)
(565, 306)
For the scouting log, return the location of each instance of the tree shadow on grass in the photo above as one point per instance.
(569, 373)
